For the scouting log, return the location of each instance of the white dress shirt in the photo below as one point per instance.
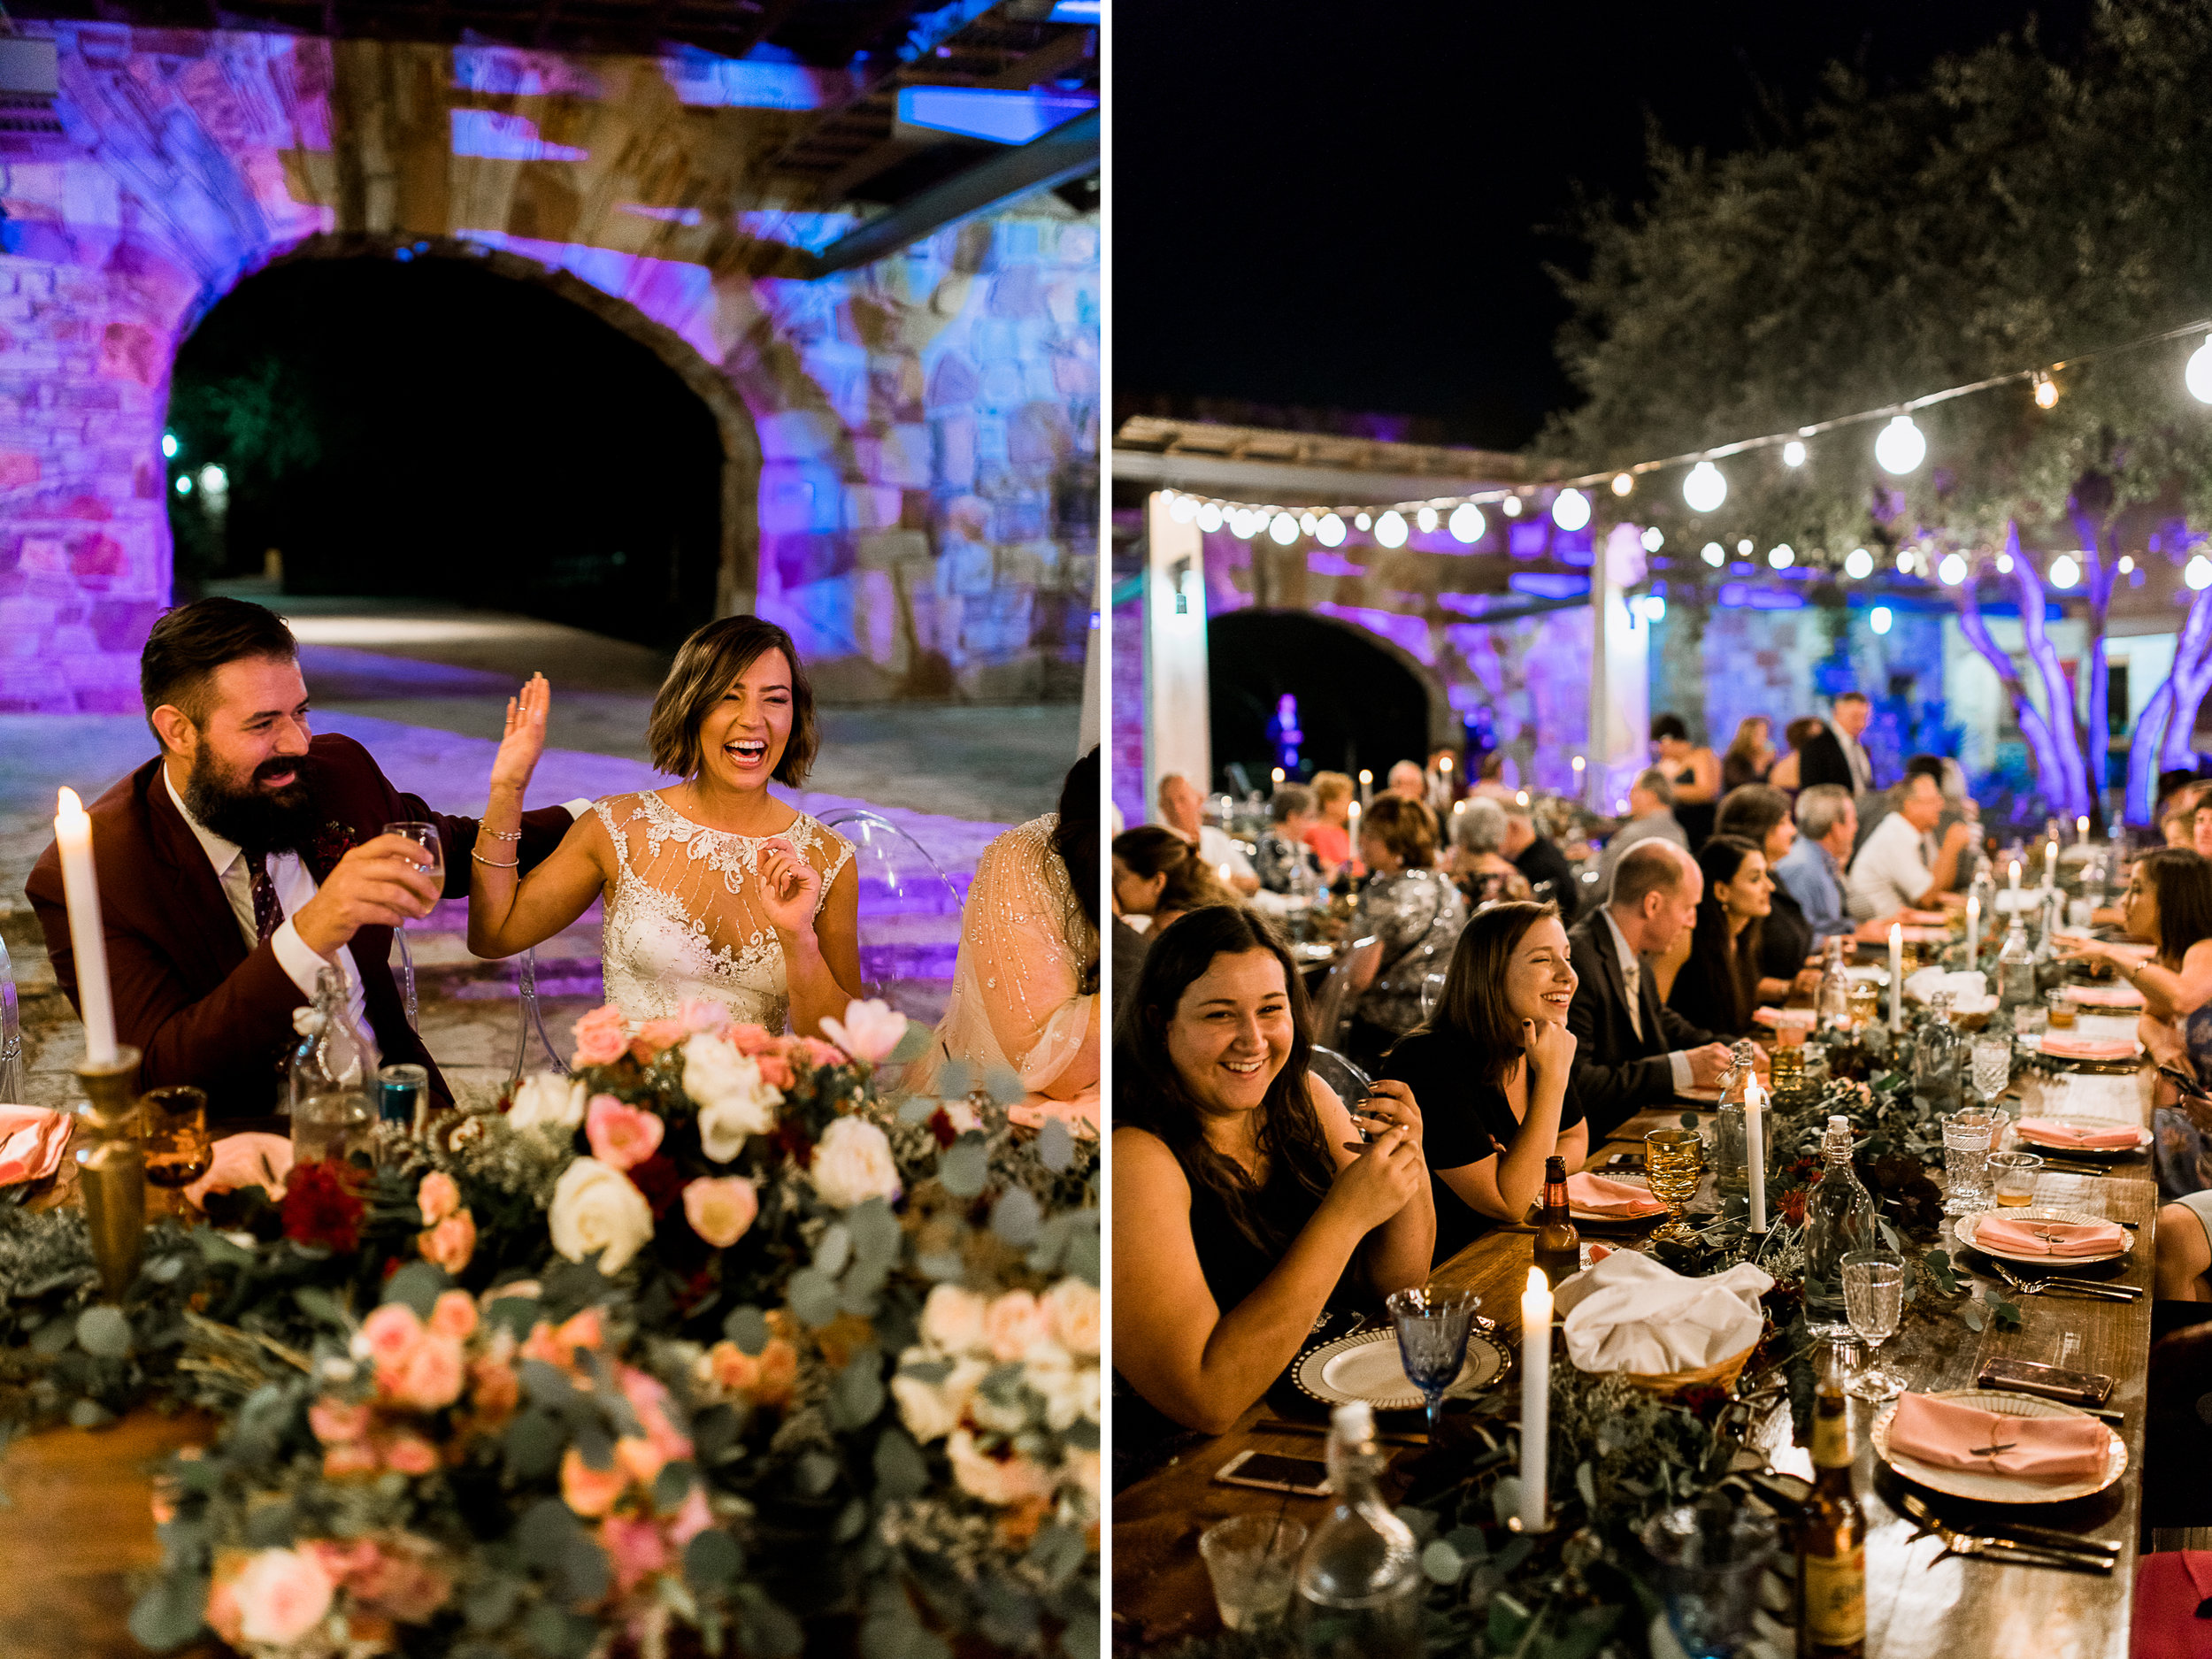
(1217, 848)
(1889, 873)
(1860, 763)
(1632, 975)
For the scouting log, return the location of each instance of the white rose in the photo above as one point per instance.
(922, 1407)
(1071, 1311)
(734, 1100)
(548, 1098)
(852, 1163)
(594, 1208)
(952, 1319)
(1067, 1389)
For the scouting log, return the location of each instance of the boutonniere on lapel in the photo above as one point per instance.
(332, 843)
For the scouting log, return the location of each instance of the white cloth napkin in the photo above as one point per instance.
(1969, 989)
(1631, 1313)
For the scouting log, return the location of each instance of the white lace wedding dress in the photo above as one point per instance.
(686, 921)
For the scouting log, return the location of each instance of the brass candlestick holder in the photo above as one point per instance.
(112, 1168)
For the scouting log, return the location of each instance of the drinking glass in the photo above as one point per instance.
(1874, 1301)
(1253, 1562)
(2059, 1010)
(1673, 1161)
(2031, 1020)
(1966, 1137)
(1992, 1068)
(1433, 1327)
(402, 1091)
(425, 836)
(1711, 1557)
(2012, 1178)
(178, 1150)
(1866, 1002)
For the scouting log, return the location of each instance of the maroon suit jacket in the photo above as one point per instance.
(198, 1005)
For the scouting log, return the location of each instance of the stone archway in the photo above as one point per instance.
(1363, 700)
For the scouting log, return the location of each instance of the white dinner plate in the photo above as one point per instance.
(1365, 1366)
(2034, 1040)
(1967, 1483)
(2027, 1137)
(1963, 1229)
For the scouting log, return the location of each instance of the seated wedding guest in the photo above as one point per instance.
(1490, 778)
(1783, 774)
(1650, 817)
(1285, 861)
(1750, 755)
(244, 859)
(1694, 772)
(1812, 871)
(1024, 985)
(1329, 835)
(1539, 858)
(1494, 1065)
(1412, 910)
(1479, 866)
(1631, 1050)
(2201, 835)
(1762, 817)
(1409, 781)
(1718, 986)
(1158, 874)
(1889, 875)
(1244, 1203)
(2177, 816)
(1183, 809)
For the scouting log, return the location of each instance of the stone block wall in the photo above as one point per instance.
(913, 444)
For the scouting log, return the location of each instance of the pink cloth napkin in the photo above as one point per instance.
(1951, 1434)
(2050, 1238)
(2173, 1606)
(1778, 1018)
(2119, 1138)
(2067, 1048)
(1595, 1195)
(2105, 995)
(32, 1140)
(244, 1160)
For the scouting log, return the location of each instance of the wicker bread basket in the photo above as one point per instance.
(1674, 1384)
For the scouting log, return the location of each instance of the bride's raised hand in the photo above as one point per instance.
(524, 740)
(790, 887)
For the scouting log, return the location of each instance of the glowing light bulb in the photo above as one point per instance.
(184, 485)
(1900, 447)
(2064, 572)
(1209, 517)
(1783, 556)
(214, 480)
(2004, 564)
(1308, 524)
(2198, 574)
(2127, 562)
(1858, 564)
(1714, 554)
(1623, 483)
(1467, 523)
(2198, 377)
(1511, 506)
(1794, 453)
(1390, 530)
(1904, 559)
(1181, 507)
(1653, 539)
(1570, 509)
(1283, 528)
(170, 446)
(1879, 619)
(1362, 521)
(1330, 531)
(2046, 391)
(1655, 607)
(1705, 488)
(1743, 548)
(1427, 519)
(1952, 571)
(1245, 524)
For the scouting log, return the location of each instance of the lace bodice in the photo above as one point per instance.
(685, 920)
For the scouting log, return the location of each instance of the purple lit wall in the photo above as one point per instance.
(927, 427)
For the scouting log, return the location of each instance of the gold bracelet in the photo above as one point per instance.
(494, 863)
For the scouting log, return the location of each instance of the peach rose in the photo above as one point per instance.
(952, 1319)
(353, 1457)
(749, 1040)
(345, 1560)
(778, 1373)
(589, 1492)
(720, 1210)
(429, 1378)
(600, 1037)
(820, 1053)
(438, 1196)
(730, 1367)
(1000, 1480)
(453, 1315)
(410, 1455)
(640, 1459)
(390, 1334)
(654, 1037)
(775, 1071)
(281, 1595)
(1010, 1324)
(450, 1243)
(338, 1422)
(1071, 1311)
(621, 1136)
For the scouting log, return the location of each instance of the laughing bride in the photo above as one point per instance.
(715, 889)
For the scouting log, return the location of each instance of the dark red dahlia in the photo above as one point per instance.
(660, 1180)
(321, 1207)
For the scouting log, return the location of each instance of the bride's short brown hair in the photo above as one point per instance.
(704, 667)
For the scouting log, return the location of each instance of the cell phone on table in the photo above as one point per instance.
(1626, 1161)
(2052, 1382)
(1270, 1472)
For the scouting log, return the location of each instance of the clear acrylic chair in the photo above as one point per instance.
(533, 1048)
(13, 1082)
(406, 977)
(1352, 1085)
(1334, 1001)
(909, 915)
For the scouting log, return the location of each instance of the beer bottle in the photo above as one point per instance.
(1832, 1538)
(1558, 1245)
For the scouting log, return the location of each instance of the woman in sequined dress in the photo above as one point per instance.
(1414, 913)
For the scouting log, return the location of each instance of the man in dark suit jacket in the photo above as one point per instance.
(1835, 756)
(246, 859)
(1632, 1051)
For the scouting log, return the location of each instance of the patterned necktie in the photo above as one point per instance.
(267, 913)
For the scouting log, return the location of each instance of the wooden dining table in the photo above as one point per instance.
(1918, 1607)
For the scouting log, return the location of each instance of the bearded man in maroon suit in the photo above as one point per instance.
(248, 858)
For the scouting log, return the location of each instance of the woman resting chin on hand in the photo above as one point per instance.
(1243, 1198)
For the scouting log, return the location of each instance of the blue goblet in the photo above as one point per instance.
(1433, 1326)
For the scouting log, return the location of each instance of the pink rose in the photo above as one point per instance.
(450, 1243)
(600, 1037)
(621, 1136)
(429, 1378)
(720, 1210)
(454, 1315)
(344, 1560)
(821, 1053)
(869, 1030)
(1010, 1324)
(438, 1196)
(391, 1334)
(338, 1422)
(586, 1491)
(281, 1595)
(410, 1455)
(775, 1071)
(636, 1548)
(700, 1014)
(749, 1040)
(655, 1036)
(693, 1517)
(648, 1397)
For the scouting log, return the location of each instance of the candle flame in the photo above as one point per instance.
(1897, 932)
(2015, 870)
(1538, 1283)
(67, 803)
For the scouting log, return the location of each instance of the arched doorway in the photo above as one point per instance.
(431, 421)
(1361, 702)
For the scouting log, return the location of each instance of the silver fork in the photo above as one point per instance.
(2067, 1288)
(2089, 1555)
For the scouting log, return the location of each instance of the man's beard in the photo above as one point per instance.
(259, 819)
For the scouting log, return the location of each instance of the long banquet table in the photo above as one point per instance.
(1917, 1607)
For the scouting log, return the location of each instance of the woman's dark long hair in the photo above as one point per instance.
(2181, 879)
(1076, 838)
(1473, 1003)
(1731, 967)
(1150, 850)
(1150, 1093)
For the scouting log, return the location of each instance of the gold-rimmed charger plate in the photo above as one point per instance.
(1365, 1366)
(1966, 1483)
(1963, 1229)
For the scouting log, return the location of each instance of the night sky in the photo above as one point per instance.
(1342, 207)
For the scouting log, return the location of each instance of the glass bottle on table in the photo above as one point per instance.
(1831, 1536)
(1730, 1171)
(1839, 1219)
(1360, 1584)
(2015, 966)
(1832, 1000)
(1558, 1243)
(332, 1113)
(1984, 886)
(1939, 1063)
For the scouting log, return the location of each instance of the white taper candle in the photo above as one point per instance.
(1535, 1399)
(80, 887)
